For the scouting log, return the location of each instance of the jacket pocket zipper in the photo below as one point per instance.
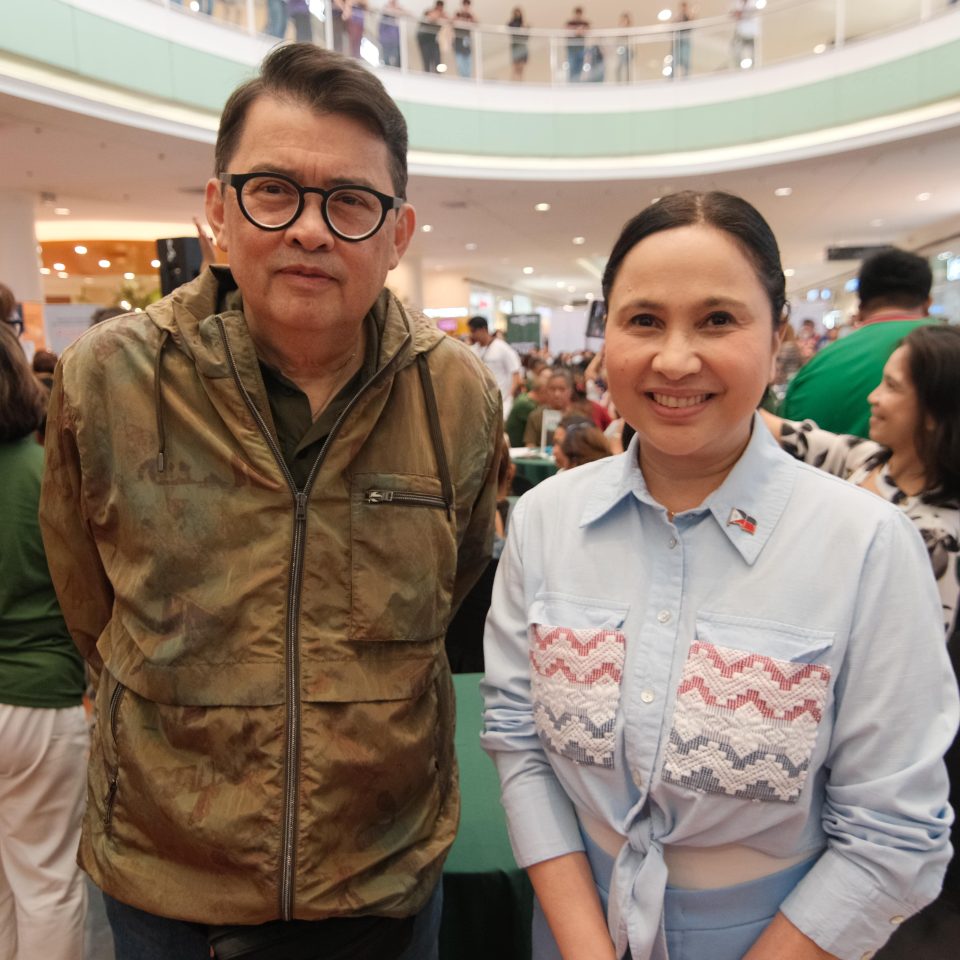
(405, 498)
(114, 784)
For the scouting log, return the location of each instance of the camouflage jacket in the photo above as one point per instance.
(274, 733)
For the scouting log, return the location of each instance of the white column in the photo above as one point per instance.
(19, 262)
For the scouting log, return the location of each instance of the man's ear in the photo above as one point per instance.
(403, 233)
(214, 209)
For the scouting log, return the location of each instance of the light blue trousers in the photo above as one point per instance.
(700, 924)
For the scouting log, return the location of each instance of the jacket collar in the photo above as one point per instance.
(747, 506)
(191, 311)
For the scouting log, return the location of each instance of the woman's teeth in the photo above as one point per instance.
(668, 401)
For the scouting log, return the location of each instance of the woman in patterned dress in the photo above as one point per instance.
(717, 692)
(912, 457)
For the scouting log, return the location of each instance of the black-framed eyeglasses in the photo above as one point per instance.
(273, 201)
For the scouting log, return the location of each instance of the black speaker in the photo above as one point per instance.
(180, 261)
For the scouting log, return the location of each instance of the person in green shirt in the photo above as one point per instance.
(832, 387)
(524, 405)
(43, 731)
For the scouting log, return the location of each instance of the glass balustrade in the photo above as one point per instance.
(772, 31)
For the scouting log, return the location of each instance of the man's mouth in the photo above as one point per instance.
(667, 400)
(310, 272)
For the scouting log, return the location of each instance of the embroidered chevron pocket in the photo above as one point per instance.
(745, 724)
(575, 680)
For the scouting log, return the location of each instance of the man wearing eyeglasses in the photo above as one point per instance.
(263, 500)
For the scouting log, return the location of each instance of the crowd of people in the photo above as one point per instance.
(586, 54)
(717, 689)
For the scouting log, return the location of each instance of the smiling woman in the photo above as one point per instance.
(713, 738)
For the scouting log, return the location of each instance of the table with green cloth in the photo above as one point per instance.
(535, 468)
(487, 898)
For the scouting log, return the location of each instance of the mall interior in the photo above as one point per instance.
(842, 129)
(839, 120)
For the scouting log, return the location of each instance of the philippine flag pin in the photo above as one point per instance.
(742, 520)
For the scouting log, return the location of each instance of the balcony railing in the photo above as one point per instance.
(767, 32)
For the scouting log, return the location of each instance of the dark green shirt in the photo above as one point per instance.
(300, 436)
(39, 665)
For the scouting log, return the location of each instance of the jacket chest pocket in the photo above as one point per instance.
(403, 559)
(577, 651)
(748, 709)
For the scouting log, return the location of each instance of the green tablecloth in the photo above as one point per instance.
(487, 899)
(535, 469)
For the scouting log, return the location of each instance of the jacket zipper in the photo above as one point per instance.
(111, 797)
(404, 498)
(292, 638)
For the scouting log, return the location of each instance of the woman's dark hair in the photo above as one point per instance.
(23, 400)
(7, 302)
(584, 443)
(326, 82)
(933, 358)
(722, 211)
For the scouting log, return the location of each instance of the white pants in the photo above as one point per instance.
(43, 762)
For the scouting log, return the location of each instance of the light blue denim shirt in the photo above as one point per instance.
(767, 670)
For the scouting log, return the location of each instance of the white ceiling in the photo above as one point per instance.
(124, 182)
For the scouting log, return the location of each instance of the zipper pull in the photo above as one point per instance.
(301, 505)
(379, 496)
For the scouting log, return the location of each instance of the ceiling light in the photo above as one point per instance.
(820, 48)
(59, 266)
(923, 196)
(195, 6)
(760, 4)
(560, 284)
(590, 296)
(155, 264)
(746, 63)
(63, 275)
(426, 228)
(45, 271)
(441, 68)
(664, 15)
(125, 304)
(80, 248)
(129, 276)
(528, 270)
(541, 207)
(104, 263)
(789, 272)
(667, 72)
(568, 307)
(579, 241)
(571, 289)
(946, 255)
(62, 211)
(783, 191)
(470, 246)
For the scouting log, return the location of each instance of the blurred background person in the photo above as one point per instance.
(43, 732)
(912, 457)
(577, 441)
(499, 358)
(831, 388)
(519, 45)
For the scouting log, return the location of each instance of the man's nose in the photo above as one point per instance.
(310, 230)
